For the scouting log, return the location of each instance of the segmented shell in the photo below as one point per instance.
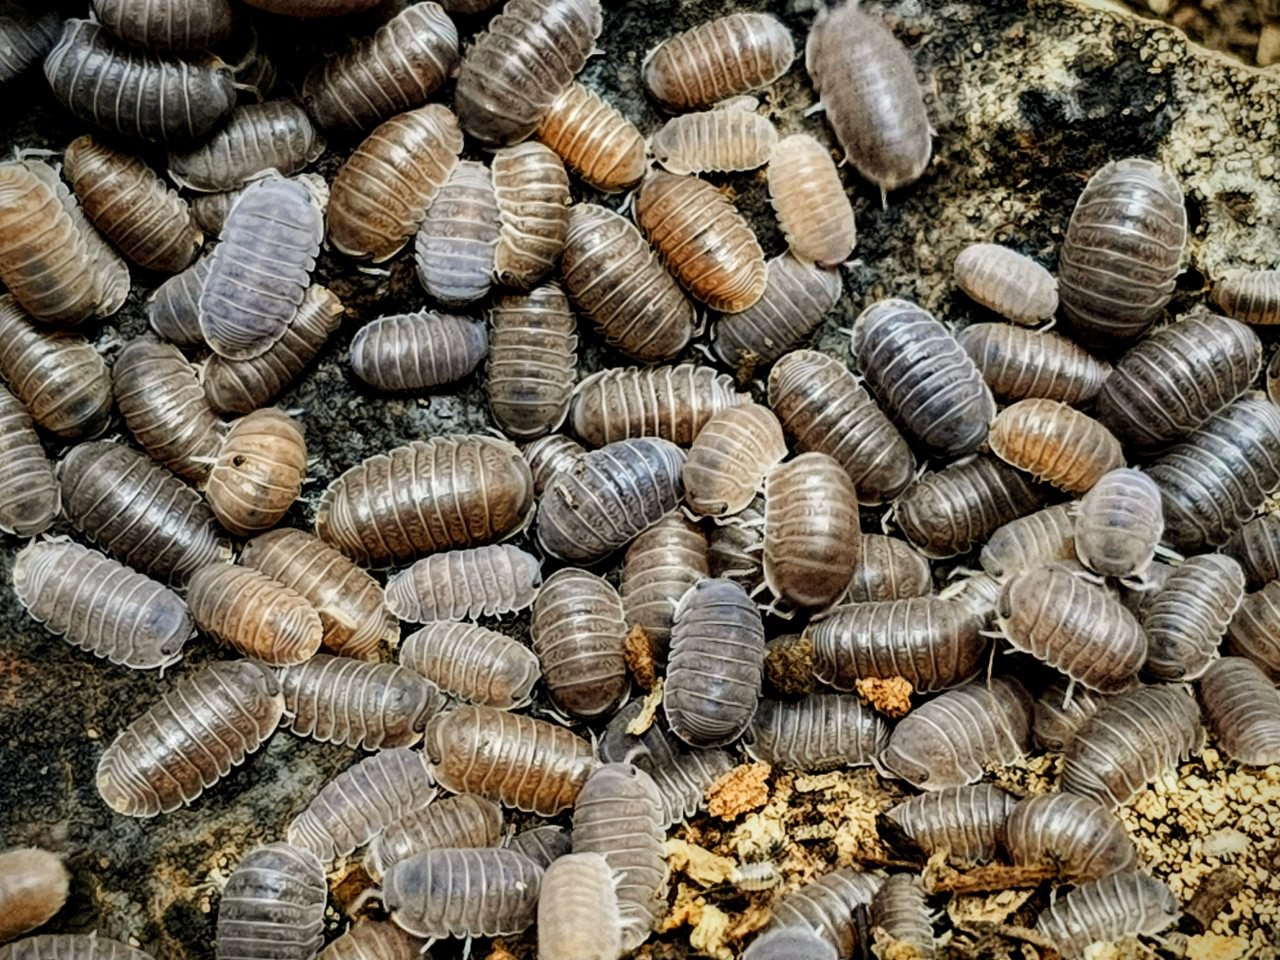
(70, 946)
(25, 39)
(167, 24)
(1186, 621)
(417, 351)
(29, 494)
(810, 202)
(543, 845)
(373, 940)
(1242, 707)
(1055, 443)
(829, 906)
(1060, 713)
(533, 362)
(532, 193)
(257, 616)
(729, 458)
(1256, 547)
(899, 917)
(594, 139)
(888, 569)
(1036, 540)
(463, 893)
(550, 454)
(1008, 282)
(1019, 364)
(1253, 630)
(461, 821)
(173, 309)
(276, 135)
(578, 915)
(823, 731)
(276, 895)
(455, 247)
(578, 632)
(1118, 524)
(472, 662)
(730, 137)
(965, 822)
(259, 472)
(463, 584)
(718, 59)
(671, 402)
(1078, 836)
(1250, 295)
(1120, 905)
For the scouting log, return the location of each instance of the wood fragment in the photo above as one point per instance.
(1211, 899)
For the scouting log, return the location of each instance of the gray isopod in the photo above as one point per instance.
(459, 821)
(821, 732)
(531, 189)
(257, 137)
(796, 943)
(1076, 835)
(671, 402)
(578, 917)
(735, 549)
(29, 494)
(578, 632)
(463, 584)
(1112, 907)
(718, 59)
(373, 940)
(457, 241)
(276, 896)
(533, 362)
(417, 351)
(1119, 521)
(1008, 282)
(1019, 364)
(173, 309)
(1036, 540)
(1255, 546)
(1187, 619)
(543, 845)
(1242, 707)
(70, 946)
(659, 566)
(473, 662)
(1253, 630)
(888, 569)
(729, 137)
(965, 822)
(1250, 295)
(460, 892)
(25, 39)
(1058, 717)
(899, 917)
(167, 24)
(830, 906)
(729, 458)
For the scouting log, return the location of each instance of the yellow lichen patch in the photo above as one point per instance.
(1027, 776)
(1215, 946)
(701, 866)
(743, 788)
(891, 696)
(710, 933)
(637, 648)
(648, 711)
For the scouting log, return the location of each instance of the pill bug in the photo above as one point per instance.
(125, 199)
(1217, 478)
(133, 92)
(100, 606)
(70, 946)
(951, 511)
(1139, 597)
(1036, 540)
(823, 731)
(242, 386)
(832, 905)
(25, 39)
(314, 8)
(1058, 717)
(578, 629)
(1122, 250)
(729, 137)
(1007, 282)
(463, 584)
(1118, 524)
(1130, 741)
(359, 803)
(373, 940)
(1256, 547)
(735, 549)
(257, 137)
(519, 761)
(381, 193)
(964, 822)
(931, 642)
(550, 454)
(718, 59)
(607, 497)
(1189, 616)
(702, 239)
(1252, 632)
(899, 917)
(276, 895)
(457, 241)
(729, 458)
(1242, 708)
(531, 190)
(756, 876)
(888, 569)
(671, 402)
(446, 493)
(533, 362)
(796, 297)
(543, 845)
(1019, 364)
(872, 99)
(810, 202)
(167, 24)
(1055, 443)
(463, 892)
(948, 740)
(257, 616)
(1109, 908)
(395, 69)
(921, 374)
(348, 600)
(33, 887)
(138, 511)
(259, 472)
(29, 494)
(472, 662)
(793, 944)
(357, 703)
(1078, 836)
(261, 268)
(523, 60)
(594, 139)
(461, 821)
(62, 381)
(578, 916)
(173, 308)
(618, 816)
(193, 736)
(1250, 295)
(1171, 382)
(209, 210)
(717, 664)
(659, 566)
(160, 399)
(416, 351)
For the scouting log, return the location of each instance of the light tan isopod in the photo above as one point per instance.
(149, 223)
(661, 564)
(578, 915)
(1035, 540)
(730, 137)
(1118, 524)
(373, 940)
(191, 738)
(888, 569)
(259, 472)
(29, 496)
(349, 601)
(1055, 443)
(729, 458)
(578, 628)
(33, 887)
(533, 361)
(702, 239)
(167, 24)
(1242, 707)
(532, 192)
(550, 454)
(1252, 296)
(1008, 282)
(416, 351)
(461, 821)
(173, 309)
(458, 239)
(255, 615)
(810, 201)
(159, 396)
(472, 662)
(461, 892)
(465, 584)
(674, 403)
(718, 59)
(257, 137)
(1019, 364)
(594, 139)
(381, 193)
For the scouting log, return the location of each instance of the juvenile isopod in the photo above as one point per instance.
(543, 845)
(578, 915)
(1107, 909)
(190, 739)
(659, 566)
(373, 940)
(798, 943)
(888, 569)
(456, 243)
(259, 471)
(416, 351)
(614, 278)
(277, 895)
(1190, 614)
(1253, 630)
(965, 822)
(550, 454)
(1078, 836)
(578, 631)
(729, 137)
(464, 584)
(473, 662)
(101, 606)
(1019, 364)
(718, 59)
(533, 362)
(25, 38)
(29, 495)
(70, 946)
(829, 905)
(437, 494)
(735, 549)
(1055, 443)
(1256, 547)
(257, 137)
(916, 368)
(729, 458)
(1252, 296)
(167, 24)
(460, 821)
(33, 887)
(255, 615)
(1058, 716)
(594, 139)
(173, 309)
(1009, 283)
(823, 731)
(900, 919)
(532, 194)
(1242, 707)
(1118, 524)
(1122, 250)
(1036, 540)
(460, 892)
(671, 402)
(810, 202)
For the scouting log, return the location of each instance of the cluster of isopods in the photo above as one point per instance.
(740, 519)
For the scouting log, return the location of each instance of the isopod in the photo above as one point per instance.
(543, 845)
(1109, 908)
(257, 616)
(810, 202)
(1011, 284)
(594, 139)
(373, 940)
(1118, 524)
(1256, 547)
(1078, 836)
(533, 362)
(796, 943)
(461, 821)
(473, 662)
(314, 8)
(463, 892)
(463, 584)
(1252, 296)
(456, 243)
(1020, 364)
(735, 549)
(29, 494)
(578, 916)
(550, 454)
(70, 946)
(1189, 616)
(1242, 707)
(964, 822)
(25, 39)
(277, 896)
(659, 566)
(259, 471)
(532, 193)
(718, 59)
(1055, 443)
(1036, 540)
(899, 917)
(888, 569)
(190, 739)
(729, 137)
(578, 631)
(257, 137)
(1253, 633)
(209, 211)
(173, 309)
(167, 24)
(1058, 716)
(729, 458)
(671, 402)
(829, 905)
(823, 731)
(416, 351)
(33, 887)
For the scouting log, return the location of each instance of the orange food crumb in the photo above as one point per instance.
(638, 649)
(891, 696)
(743, 788)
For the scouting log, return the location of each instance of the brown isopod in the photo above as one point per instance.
(1036, 540)
(615, 279)
(458, 239)
(159, 397)
(167, 24)
(1111, 908)
(461, 821)
(673, 403)
(381, 193)
(888, 569)
(1119, 523)
(456, 892)
(702, 239)
(578, 629)
(464, 584)
(830, 905)
(138, 511)
(1256, 547)
(1252, 296)
(101, 606)
(1055, 443)
(1007, 282)
(1019, 364)
(357, 703)
(1078, 836)
(718, 59)
(373, 940)
(1058, 716)
(533, 362)
(594, 139)
(900, 919)
(660, 565)
(277, 895)
(965, 822)
(395, 69)
(823, 731)
(257, 137)
(1122, 250)
(578, 915)
(190, 739)
(259, 472)
(1242, 707)
(810, 202)
(416, 351)
(550, 454)
(437, 494)
(729, 137)
(70, 946)
(173, 309)
(543, 845)
(729, 458)
(149, 223)
(474, 663)
(1253, 629)
(29, 495)
(532, 193)
(255, 615)
(529, 764)
(33, 887)
(25, 39)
